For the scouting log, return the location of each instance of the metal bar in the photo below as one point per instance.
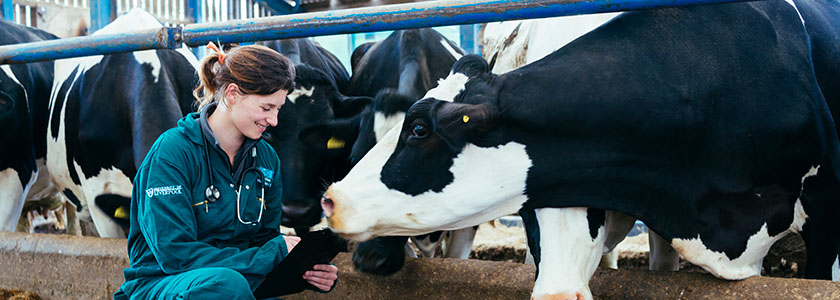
(468, 42)
(367, 19)
(8, 9)
(100, 14)
(163, 38)
(410, 15)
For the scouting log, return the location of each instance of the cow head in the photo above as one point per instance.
(310, 160)
(443, 168)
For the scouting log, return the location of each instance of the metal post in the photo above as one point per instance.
(468, 41)
(102, 12)
(368, 19)
(195, 10)
(8, 10)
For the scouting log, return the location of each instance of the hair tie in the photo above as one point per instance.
(221, 55)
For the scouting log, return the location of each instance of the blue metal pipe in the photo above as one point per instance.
(163, 38)
(8, 9)
(102, 12)
(367, 19)
(411, 15)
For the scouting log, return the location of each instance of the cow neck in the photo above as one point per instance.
(239, 160)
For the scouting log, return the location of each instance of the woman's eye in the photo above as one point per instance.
(266, 108)
(419, 131)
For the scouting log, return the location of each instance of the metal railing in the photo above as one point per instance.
(368, 19)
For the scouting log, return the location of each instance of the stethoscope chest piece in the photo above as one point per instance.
(211, 193)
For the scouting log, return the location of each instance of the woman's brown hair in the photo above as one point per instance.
(256, 69)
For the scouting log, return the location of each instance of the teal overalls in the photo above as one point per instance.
(181, 247)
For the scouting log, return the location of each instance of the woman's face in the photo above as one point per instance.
(252, 114)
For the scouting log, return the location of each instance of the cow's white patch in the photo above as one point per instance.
(835, 269)
(535, 38)
(746, 265)
(383, 124)
(797, 10)
(489, 183)
(799, 216)
(8, 70)
(12, 195)
(451, 50)
(149, 57)
(448, 87)
(296, 93)
(135, 19)
(569, 255)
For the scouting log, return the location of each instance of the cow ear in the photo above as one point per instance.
(350, 106)
(459, 123)
(471, 65)
(334, 136)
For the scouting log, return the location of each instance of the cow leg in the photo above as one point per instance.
(428, 244)
(564, 250)
(458, 243)
(662, 256)
(12, 195)
(820, 231)
(617, 225)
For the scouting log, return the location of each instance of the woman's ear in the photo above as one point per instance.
(232, 93)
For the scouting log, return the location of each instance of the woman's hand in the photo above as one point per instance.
(291, 242)
(322, 276)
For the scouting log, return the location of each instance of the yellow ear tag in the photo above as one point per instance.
(465, 118)
(334, 143)
(121, 213)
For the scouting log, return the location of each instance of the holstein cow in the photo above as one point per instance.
(105, 113)
(509, 45)
(721, 152)
(309, 162)
(398, 71)
(24, 95)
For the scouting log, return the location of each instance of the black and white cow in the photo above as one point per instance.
(397, 71)
(24, 96)
(707, 123)
(509, 45)
(105, 114)
(309, 161)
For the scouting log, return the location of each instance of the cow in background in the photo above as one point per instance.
(105, 114)
(308, 163)
(306, 51)
(721, 152)
(396, 72)
(24, 96)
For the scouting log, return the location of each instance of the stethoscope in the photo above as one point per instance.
(212, 193)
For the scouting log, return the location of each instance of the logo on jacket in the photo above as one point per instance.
(268, 174)
(164, 191)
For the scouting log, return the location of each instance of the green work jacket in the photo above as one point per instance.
(172, 230)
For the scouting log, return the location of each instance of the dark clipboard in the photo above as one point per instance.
(314, 248)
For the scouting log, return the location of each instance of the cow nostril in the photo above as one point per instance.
(327, 206)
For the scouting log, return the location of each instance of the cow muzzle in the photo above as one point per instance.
(327, 206)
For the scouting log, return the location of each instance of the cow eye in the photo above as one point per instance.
(419, 131)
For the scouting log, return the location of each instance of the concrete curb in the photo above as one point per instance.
(69, 267)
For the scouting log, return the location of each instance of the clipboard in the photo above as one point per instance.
(314, 248)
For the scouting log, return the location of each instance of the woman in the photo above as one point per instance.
(205, 208)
